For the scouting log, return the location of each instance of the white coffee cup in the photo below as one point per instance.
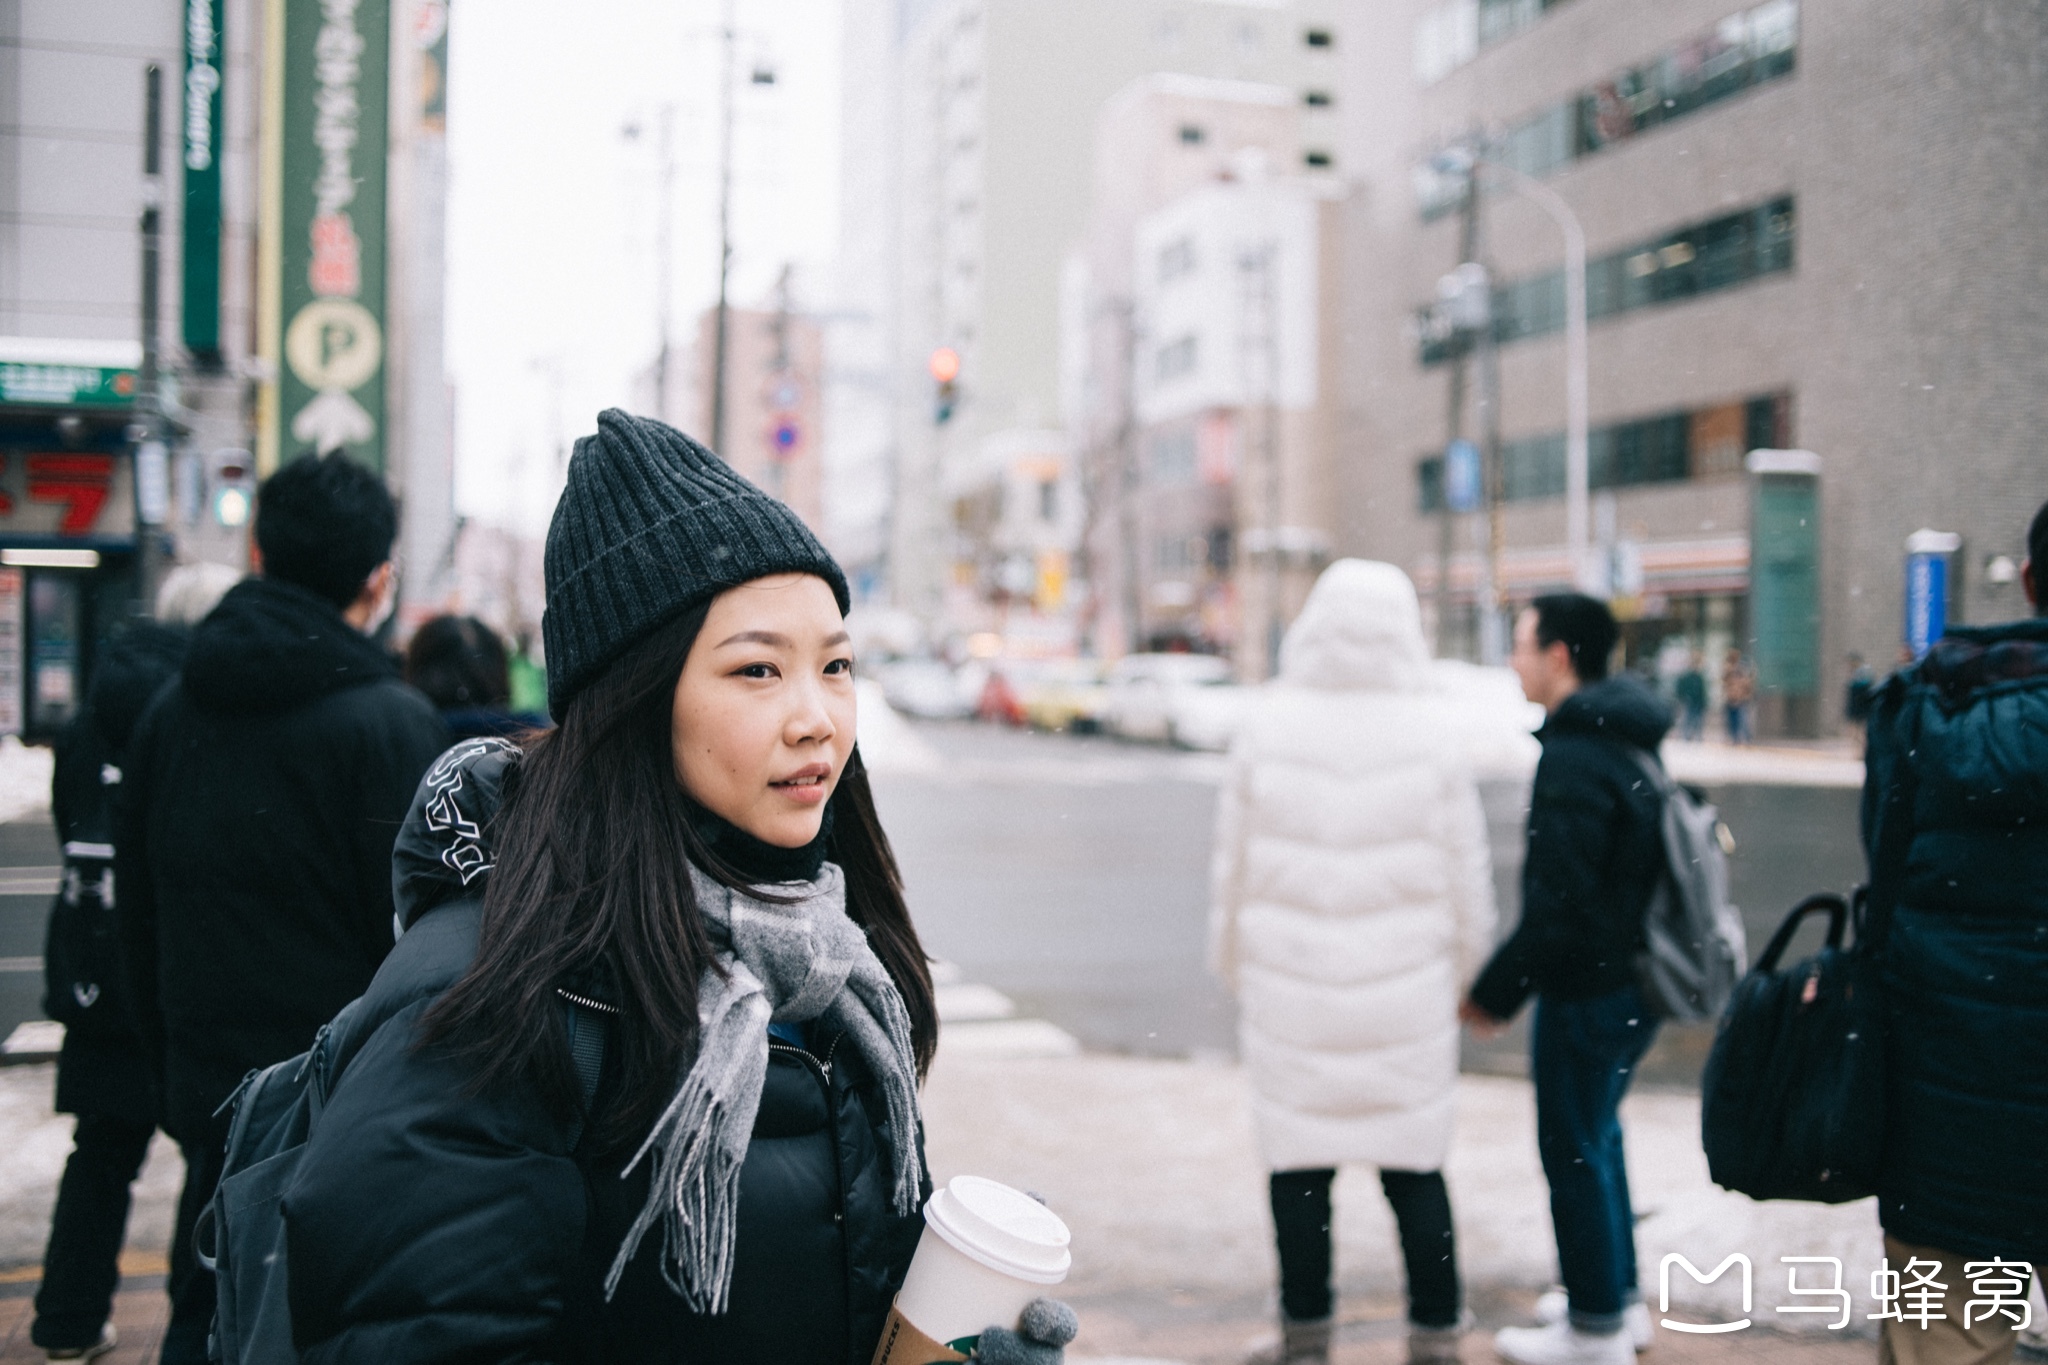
(986, 1252)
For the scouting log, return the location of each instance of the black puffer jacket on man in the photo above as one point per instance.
(1955, 819)
(429, 1222)
(260, 800)
(1594, 852)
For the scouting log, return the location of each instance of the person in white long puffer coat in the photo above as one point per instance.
(1353, 902)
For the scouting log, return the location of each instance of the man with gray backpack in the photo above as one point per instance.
(1595, 863)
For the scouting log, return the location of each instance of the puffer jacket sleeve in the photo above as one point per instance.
(1226, 865)
(1471, 876)
(427, 1222)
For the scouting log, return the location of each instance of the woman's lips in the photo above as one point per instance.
(807, 786)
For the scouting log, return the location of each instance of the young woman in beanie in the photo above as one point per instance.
(639, 1081)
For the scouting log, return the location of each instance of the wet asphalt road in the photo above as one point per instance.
(1072, 874)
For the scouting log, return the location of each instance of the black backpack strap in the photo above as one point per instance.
(588, 1024)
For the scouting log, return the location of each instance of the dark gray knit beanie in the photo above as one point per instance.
(650, 525)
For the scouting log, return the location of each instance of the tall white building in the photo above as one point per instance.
(994, 115)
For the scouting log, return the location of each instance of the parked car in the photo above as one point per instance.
(1186, 699)
(1065, 695)
(930, 689)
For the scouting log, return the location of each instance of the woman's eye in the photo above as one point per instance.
(758, 671)
(838, 668)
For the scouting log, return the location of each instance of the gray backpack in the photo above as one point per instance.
(1694, 951)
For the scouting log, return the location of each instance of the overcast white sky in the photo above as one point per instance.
(552, 210)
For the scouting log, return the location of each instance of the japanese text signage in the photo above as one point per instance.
(324, 322)
(199, 146)
(66, 386)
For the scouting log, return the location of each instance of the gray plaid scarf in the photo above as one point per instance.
(788, 962)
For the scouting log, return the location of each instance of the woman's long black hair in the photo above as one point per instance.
(591, 844)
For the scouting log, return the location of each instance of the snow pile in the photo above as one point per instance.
(24, 779)
(888, 744)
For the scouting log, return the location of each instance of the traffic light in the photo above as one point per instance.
(231, 487)
(945, 368)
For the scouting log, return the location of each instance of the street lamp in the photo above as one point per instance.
(1468, 161)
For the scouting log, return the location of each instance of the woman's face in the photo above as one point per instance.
(764, 711)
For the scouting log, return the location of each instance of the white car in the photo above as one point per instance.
(1185, 699)
(929, 689)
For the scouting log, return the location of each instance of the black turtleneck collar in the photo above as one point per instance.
(759, 862)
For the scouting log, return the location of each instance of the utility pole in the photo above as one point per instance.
(664, 263)
(152, 472)
(1127, 483)
(1468, 246)
(728, 38)
(1260, 342)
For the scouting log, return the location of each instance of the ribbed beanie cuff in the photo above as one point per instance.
(652, 524)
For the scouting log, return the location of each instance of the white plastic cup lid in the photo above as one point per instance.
(1004, 1229)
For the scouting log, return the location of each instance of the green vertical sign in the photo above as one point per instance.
(1784, 583)
(200, 144)
(330, 202)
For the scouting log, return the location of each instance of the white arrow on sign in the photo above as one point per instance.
(332, 420)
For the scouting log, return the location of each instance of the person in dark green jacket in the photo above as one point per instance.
(1955, 823)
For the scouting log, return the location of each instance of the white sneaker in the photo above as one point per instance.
(109, 1338)
(1554, 1306)
(1560, 1343)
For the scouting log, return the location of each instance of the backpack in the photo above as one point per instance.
(1693, 947)
(81, 948)
(240, 1233)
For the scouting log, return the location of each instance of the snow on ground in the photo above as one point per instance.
(36, 1142)
(24, 779)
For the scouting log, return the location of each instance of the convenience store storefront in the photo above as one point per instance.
(68, 562)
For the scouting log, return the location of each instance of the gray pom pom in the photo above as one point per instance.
(1001, 1346)
(1049, 1321)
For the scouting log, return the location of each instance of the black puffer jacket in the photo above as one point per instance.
(1594, 852)
(1963, 736)
(431, 1223)
(253, 848)
(102, 1069)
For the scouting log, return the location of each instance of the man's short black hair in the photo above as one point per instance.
(1584, 624)
(325, 523)
(459, 662)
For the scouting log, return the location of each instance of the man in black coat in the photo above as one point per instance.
(1594, 856)
(1955, 823)
(263, 792)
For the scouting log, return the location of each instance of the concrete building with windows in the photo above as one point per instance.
(1200, 366)
(994, 116)
(1805, 233)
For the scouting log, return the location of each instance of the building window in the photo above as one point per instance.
(1173, 458)
(1452, 33)
(1671, 447)
(1318, 99)
(1319, 37)
(1175, 359)
(1192, 134)
(1703, 258)
(1745, 50)
(1317, 160)
(1176, 258)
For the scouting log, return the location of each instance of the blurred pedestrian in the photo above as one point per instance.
(461, 666)
(1594, 857)
(1691, 691)
(600, 887)
(1858, 693)
(102, 1075)
(1738, 696)
(1353, 902)
(1955, 824)
(263, 791)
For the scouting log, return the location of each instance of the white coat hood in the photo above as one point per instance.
(1360, 630)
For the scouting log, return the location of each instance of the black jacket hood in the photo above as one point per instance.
(271, 646)
(1621, 707)
(444, 848)
(141, 659)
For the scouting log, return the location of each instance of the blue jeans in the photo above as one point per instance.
(1583, 1053)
